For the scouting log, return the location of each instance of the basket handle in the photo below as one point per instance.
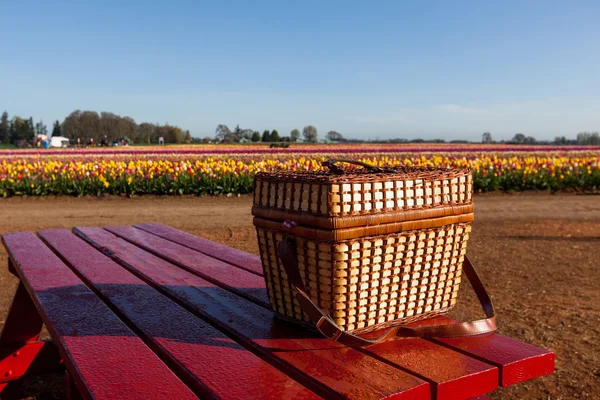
(331, 164)
(330, 330)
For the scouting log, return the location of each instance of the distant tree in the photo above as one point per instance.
(187, 137)
(90, 127)
(174, 134)
(310, 133)
(40, 128)
(30, 129)
(103, 128)
(56, 128)
(246, 134)
(170, 133)
(275, 136)
(127, 129)
(4, 128)
(486, 137)
(177, 134)
(108, 127)
(71, 126)
(255, 136)
(335, 136)
(223, 133)
(12, 131)
(294, 135)
(519, 138)
(560, 140)
(266, 136)
(529, 140)
(20, 130)
(591, 138)
(146, 133)
(237, 134)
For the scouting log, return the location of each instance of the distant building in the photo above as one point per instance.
(59, 141)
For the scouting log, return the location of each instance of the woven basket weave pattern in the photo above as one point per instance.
(362, 194)
(371, 282)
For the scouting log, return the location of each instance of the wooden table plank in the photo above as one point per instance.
(472, 377)
(452, 376)
(209, 268)
(208, 361)
(415, 355)
(106, 359)
(516, 361)
(349, 373)
(240, 259)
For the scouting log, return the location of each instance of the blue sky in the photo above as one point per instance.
(375, 69)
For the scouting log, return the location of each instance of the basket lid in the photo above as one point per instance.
(341, 197)
(369, 173)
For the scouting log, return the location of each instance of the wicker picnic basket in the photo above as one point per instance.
(352, 250)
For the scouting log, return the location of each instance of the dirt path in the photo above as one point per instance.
(539, 255)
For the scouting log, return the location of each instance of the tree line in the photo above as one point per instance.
(107, 127)
(583, 138)
(90, 127)
(310, 134)
(592, 138)
(18, 130)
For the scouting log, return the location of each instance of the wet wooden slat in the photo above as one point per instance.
(466, 376)
(516, 361)
(442, 371)
(300, 354)
(453, 375)
(219, 251)
(208, 361)
(106, 359)
(209, 268)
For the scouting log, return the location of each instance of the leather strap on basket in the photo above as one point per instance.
(331, 164)
(330, 330)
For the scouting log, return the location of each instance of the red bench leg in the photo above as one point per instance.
(20, 352)
(30, 358)
(72, 392)
(23, 323)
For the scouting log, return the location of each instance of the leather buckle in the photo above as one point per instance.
(330, 331)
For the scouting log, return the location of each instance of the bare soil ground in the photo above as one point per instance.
(538, 254)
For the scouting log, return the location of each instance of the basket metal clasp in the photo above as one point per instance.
(330, 331)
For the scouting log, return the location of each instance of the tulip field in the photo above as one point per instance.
(224, 169)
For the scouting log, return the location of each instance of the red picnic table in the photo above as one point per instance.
(150, 312)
